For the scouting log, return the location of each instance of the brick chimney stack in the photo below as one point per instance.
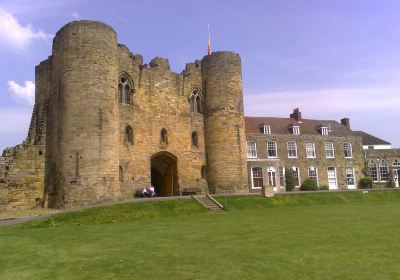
(296, 114)
(345, 122)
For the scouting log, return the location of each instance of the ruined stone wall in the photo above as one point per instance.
(22, 177)
(302, 162)
(224, 122)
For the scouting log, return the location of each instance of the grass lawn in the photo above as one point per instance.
(309, 236)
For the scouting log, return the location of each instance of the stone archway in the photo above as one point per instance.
(164, 175)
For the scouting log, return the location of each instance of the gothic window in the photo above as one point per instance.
(128, 135)
(195, 141)
(195, 102)
(121, 174)
(373, 170)
(396, 163)
(164, 136)
(383, 170)
(124, 91)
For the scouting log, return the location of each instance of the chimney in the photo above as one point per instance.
(345, 122)
(296, 114)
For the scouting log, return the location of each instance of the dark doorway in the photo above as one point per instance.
(164, 174)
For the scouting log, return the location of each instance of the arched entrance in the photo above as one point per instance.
(164, 174)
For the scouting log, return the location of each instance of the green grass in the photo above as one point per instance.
(309, 236)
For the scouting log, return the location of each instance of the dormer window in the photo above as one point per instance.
(265, 129)
(295, 129)
(324, 130)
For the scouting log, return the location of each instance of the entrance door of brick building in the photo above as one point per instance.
(396, 176)
(164, 174)
(332, 180)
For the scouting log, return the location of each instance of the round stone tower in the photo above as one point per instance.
(83, 146)
(224, 123)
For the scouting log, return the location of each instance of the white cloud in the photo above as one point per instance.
(24, 92)
(14, 35)
(75, 15)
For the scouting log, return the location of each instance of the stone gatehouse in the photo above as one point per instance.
(105, 124)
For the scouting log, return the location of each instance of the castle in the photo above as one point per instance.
(105, 124)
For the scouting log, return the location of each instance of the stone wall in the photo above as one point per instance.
(22, 177)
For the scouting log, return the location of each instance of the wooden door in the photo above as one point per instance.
(169, 181)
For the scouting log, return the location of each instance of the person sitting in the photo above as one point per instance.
(152, 191)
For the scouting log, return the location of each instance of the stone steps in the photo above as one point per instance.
(209, 203)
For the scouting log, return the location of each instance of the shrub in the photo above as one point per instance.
(390, 184)
(309, 185)
(365, 183)
(324, 188)
(290, 179)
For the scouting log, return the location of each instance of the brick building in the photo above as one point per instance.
(105, 124)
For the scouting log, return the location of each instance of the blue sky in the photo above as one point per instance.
(332, 59)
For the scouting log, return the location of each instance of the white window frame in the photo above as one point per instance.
(373, 170)
(252, 177)
(314, 169)
(272, 178)
(348, 150)
(266, 129)
(331, 187)
(350, 176)
(295, 149)
(329, 147)
(383, 171)
(310, 149)
(296, 130)
(253, 153)
(324, 130)
(275, 149)
(296, 174)
(281, 176)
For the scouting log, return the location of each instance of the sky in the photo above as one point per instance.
(332, 59)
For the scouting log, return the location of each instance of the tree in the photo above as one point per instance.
(290, 179)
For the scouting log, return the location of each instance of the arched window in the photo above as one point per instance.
(121, 174)
(124, 91)
(195, 140)
(396, 163)
(373, 170)
(164, 136)
(383, 171)
(195, 101)
(203, 172)
(128, 135)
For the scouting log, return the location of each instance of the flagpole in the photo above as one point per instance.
(209, 41)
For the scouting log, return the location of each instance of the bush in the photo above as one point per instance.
(290, 179)
(324, 188)
(309, 185)
(365, 183)
(390, 184)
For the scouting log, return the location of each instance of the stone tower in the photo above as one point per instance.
(82, 141)
(224, 123)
